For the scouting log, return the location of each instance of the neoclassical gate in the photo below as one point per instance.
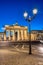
(16, 33)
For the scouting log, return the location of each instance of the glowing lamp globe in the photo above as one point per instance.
(35, 11)
(25, 14)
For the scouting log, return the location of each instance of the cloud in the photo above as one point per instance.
(3, 28)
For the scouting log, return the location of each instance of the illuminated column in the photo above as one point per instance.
(13, 35)
(4, 36)
(32, 37)
(25, 35)
(18, 35)
(35, 36)
(22, 35)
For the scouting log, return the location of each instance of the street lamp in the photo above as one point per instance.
(35, 11)
(29, 18)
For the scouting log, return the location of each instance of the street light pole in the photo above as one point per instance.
(29, 20)
(30, 38)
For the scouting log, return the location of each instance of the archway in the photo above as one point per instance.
(16, 35)
(7, 34)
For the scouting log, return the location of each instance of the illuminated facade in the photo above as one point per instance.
(15, 33)
(19, 33)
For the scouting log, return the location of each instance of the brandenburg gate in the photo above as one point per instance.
(15, 32)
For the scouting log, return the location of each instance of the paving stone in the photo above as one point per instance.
(10, 56)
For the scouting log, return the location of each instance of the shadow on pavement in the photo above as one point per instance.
(37, 55)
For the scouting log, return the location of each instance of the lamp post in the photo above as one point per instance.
(29, 19)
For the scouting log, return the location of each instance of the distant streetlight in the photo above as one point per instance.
(29, 18)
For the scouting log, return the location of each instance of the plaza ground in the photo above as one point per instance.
(19, 55)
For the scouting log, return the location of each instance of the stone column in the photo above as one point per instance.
(35, 36)
(25, 35)
(22, 35)
(32, 37)
(13, 35)
(18, 35)
(4, 36)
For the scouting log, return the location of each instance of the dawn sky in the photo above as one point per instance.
(11, 11)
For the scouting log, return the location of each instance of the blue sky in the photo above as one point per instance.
(12, 11)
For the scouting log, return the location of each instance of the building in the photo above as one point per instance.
(14, 33)
(19, 33)
(37, 34)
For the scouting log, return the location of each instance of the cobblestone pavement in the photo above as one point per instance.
(20, 56)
